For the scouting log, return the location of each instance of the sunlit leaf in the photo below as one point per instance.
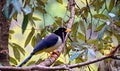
(16, 53)
(33, 42)
(13, 60)
(19, 48)
(30, 62)
(92, 41)
(100, 27)
(117, 23)
(29, 36)
(60, 1)
(24, 23)
(36, 18)
(101, 16)
(111, 5)
(11, 31)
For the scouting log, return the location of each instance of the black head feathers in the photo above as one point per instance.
(61, 32)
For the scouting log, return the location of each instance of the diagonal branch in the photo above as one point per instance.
(51, 60)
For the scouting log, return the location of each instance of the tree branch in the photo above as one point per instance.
(51, 60)
(62, 67)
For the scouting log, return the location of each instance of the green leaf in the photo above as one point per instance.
(13, 60)
(24, 23)
(115, 40)
(89, 26)
(101, 16)
(99, 27)
(19, 48)
(36, 18)
(30, 62)
(81, 36)
(111, 5)
(82, 26)
(75, 30)
(11, 31)
(16, 53)
(29, 36)
(60, 1)
(117, 23)
(33, 42)
(92, 41)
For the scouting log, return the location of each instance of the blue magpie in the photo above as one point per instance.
(48, 44)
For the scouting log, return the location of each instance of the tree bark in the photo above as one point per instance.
(4, 34)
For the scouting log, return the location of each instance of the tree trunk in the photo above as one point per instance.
(4, 34)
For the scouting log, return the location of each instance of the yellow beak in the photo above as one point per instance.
(67, 30)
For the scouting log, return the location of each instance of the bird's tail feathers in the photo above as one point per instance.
(26, 60)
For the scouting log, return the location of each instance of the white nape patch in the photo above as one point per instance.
(51, 49)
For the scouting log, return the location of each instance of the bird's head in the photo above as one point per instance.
(62, 32)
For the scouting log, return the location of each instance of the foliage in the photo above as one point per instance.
(95, 31)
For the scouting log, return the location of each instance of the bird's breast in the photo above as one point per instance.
(52, 48)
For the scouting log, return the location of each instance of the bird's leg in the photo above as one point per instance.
(55, 54)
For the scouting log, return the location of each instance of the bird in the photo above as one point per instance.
(49, 43)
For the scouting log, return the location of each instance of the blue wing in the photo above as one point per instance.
(49, 41)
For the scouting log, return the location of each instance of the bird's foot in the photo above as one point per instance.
(55, 54)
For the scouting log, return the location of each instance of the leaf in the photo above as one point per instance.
(101, 16)
(33, 42)
(24, 23)
(101, 33)
(117, 23)
(82, 26)
(91, 54)
(13, 60)
(16, 53)
(17, 4)
(60, 1)
(19, 48)
(36, 18)
(99, 27)
(11, 31)
(92, 41)
(75, 55)
(89, 26)
(27, 10)
(81, 36)
(75, 30)
(30, 62)
(115, 40)
(111, 5)
(6, 9)
(29, 37)
(12, 13)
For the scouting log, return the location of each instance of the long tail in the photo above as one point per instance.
(26, 60)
